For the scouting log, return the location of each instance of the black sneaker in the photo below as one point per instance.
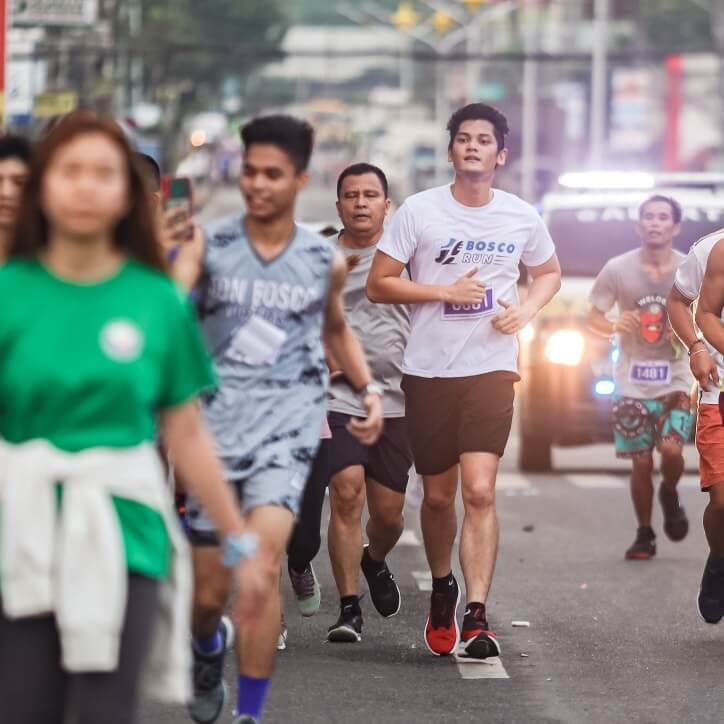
(210, 690)
(676, 524)
(348, 628)
(711, 593)
(644, 547)
(383, 590)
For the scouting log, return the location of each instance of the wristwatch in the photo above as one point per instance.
(371, 388)
(238, 548)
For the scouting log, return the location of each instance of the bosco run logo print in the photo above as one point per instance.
(475, 252)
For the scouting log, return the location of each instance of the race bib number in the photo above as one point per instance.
(469, 311)
(650, 373)
(258, 342)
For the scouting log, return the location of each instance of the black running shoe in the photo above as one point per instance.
(644, 547)
(210, 690)
(676, 524)
(711, 593)
(348, 628)
(383, 590)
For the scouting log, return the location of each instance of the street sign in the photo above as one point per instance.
(54, 12)
(54, 103)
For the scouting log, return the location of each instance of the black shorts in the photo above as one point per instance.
(387, 462)
(448, 416)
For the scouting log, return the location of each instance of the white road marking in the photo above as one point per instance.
(591, 480)
(408, 538)
(487, 669)
(423, 579)
(512, 481)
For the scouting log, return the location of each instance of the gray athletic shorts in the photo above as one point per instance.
(275, 486)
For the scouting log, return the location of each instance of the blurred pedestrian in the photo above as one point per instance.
(651, 406)
(101, 355)
(268, 291)
(709, 253)
(15, 153)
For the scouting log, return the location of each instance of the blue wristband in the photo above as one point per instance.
(238, 548)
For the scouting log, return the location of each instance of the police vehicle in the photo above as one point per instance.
(567, 386)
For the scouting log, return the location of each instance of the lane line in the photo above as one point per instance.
(594, 480)
(408, 538)
(423, 580)
(488, 669)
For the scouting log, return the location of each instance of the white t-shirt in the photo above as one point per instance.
(688, 280)
(442, 239)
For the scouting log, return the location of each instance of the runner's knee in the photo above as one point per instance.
(479, 495)
(670, 452)
(439, 500)
(716, 499)
(643, 463)
(347, 496)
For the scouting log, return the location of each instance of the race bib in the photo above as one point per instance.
(650, 372)
(257, 342)
(469, 311)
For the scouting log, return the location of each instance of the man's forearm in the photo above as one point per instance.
(682, 322)
(347, 352)
(395, 290)
(712, 328)
(598, 323)
(542, 290)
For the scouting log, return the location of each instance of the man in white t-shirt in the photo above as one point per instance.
(702, 273)
(462, 244)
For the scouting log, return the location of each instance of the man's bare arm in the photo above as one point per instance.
(347, 352)
(385, 286)
(711, 299)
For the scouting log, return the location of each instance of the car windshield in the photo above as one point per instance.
(587, 237)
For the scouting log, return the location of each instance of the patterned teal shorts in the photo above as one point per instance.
(641, 425)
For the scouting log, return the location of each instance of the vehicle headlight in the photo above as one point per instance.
(565, 347)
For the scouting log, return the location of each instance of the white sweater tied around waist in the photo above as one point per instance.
(71, 563)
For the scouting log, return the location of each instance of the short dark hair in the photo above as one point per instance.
(479, 112)
(12, 146)
(150, 169)
(676, 212)
(358, 169)
(292, 135)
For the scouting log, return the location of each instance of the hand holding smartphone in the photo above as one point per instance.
(178, 204)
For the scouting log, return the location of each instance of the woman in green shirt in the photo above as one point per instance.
(99, 354)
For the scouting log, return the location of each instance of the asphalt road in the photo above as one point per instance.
(609, 640)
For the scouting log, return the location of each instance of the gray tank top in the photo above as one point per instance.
(263, 324)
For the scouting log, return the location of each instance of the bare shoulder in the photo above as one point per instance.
(715, 263)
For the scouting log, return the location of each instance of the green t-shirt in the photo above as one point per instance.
(91, 365)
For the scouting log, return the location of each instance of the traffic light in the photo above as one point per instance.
(442, 22)
(406, 16)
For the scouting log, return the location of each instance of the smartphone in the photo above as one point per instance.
(177, 194)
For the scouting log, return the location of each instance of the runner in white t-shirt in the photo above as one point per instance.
(462, 244)
(701, 273)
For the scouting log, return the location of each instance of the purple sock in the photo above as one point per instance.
(251, 696)
(209, 645)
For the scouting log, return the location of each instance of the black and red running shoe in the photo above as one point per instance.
(477, 640)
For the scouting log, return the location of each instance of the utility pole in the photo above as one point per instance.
(529, 144)
(599, 81)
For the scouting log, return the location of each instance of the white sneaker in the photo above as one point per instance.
(283, 635)
(306, 590)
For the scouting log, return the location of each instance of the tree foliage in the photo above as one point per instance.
(677, 25)
(206, 41)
